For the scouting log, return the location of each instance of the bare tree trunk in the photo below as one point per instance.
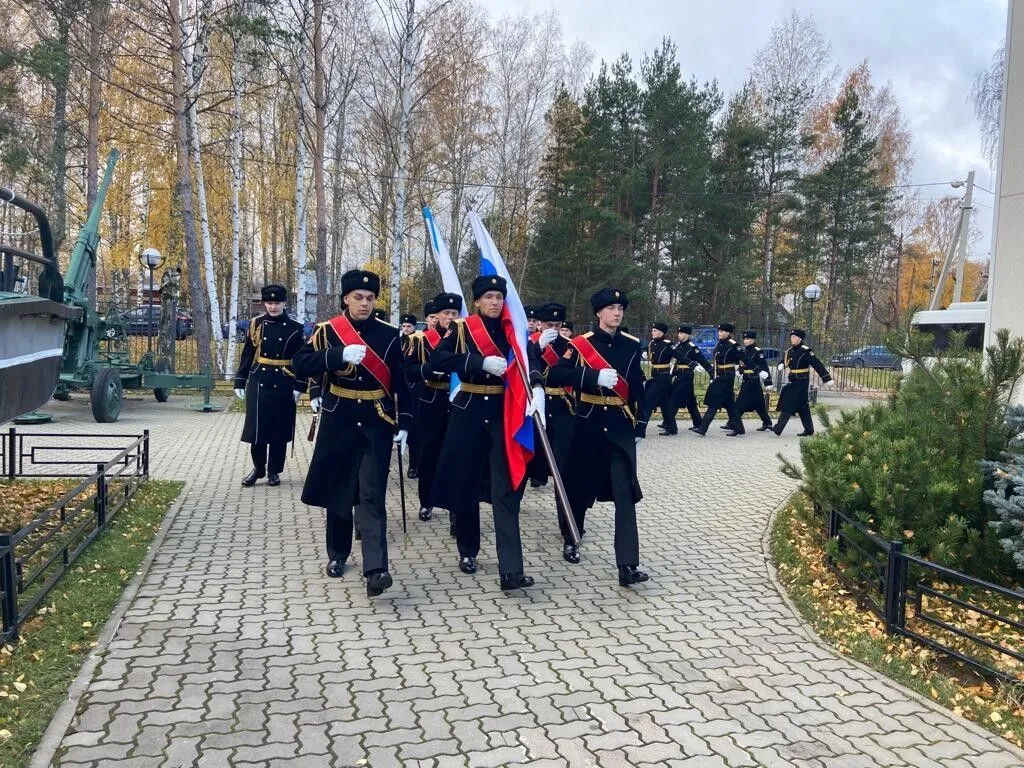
(59, 153)
(403, 158)
(338, 219)
(319, 150)
(97, 22)
(236, 210)
(184, 187)
(301, 195)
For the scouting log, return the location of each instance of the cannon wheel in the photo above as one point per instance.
(162, 393)
(106, 395)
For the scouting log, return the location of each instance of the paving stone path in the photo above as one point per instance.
(238, 651)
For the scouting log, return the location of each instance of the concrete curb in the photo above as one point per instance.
(998, 742)
(54, 734)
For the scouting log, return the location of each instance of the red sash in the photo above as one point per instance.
(433, 338)
(594, 359)
(482, 339)
(372, 361)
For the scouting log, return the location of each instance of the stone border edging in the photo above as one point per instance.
(808, 631)
(55, 732)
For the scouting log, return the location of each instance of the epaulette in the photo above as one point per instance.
(588, 334)
(629, 336)
(385, 322)
(733, 342)
(804, 346)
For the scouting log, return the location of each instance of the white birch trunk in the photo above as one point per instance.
(236, 210)
(301, 195)
(194, 64)
(403, 159)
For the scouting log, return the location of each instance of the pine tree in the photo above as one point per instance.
(1007, 498)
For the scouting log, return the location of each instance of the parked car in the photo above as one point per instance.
(145, 321)
(874, 356)
(241, 328)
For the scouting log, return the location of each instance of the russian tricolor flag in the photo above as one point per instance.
(518, 426)
(449, 277)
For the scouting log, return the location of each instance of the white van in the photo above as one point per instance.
(965, 316)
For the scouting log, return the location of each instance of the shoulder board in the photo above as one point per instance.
(804, 346)
(629, 336)
(385, 322)
(588, 334)
(757, 349)
(733, 342)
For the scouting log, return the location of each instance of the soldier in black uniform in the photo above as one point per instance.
(269, 386)
(407, 327)
(800, 360)
(432, 388)
(566, 331)
(474, 445)
(407, 333)
(603, 368)
(547, 347)
(755, 371)
(727, 358)
(687, 357)
(365, 400)
(380, 314)
(659, 386)
(532, 321)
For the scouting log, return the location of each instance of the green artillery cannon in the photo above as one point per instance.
(91, 359)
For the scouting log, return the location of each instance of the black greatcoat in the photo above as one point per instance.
(800, 360)
(659, 386)
(751, 397)
(350, 428)
(558, 402)
(727, 358)
(269, 381)
(600, 429)
(430, 389)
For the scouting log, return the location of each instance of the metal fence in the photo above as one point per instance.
(962, 617)
(35, 557)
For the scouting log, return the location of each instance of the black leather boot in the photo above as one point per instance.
(467, 564)
(630, 575)
(377, 582)
(515, 581)
(250, 480)
(273, 479)
(335, 568)
(571, 553)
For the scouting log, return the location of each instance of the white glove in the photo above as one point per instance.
(297, 395)
(770, 388)
(763, 375)
(240, 394)
(315, 403)
(826, 384)
(538, 405)
(636, 440)
(607, 378)
(402, 440)
(354, 353)
(547, 336)
(781, 367)
(495, 365)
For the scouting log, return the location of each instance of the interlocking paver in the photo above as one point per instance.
(237, 649)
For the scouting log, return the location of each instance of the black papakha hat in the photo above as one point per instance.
(485, 283)
(360, 279)
(685, 329)
(608, 296)
(663, 327)
(447, 301)
(552, 312)
(727, 327)
(750, 334)
(410, 319)
(274, 292)
(798, 332)
(429, 309)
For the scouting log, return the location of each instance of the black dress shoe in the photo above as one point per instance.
(377, 582)
(250, 480)
(535, 483)
(358, 534)
(571, 553)
(630, 575)
(727, 425)
(699, 430)
(764, 428)
(734, 433)
(413, 473)
(804, 434)
(426, 513)
(669, 432)
(273, 479)
(451, 525)
(777, 430)
(335, 568)
(515, 581)
(467, 564)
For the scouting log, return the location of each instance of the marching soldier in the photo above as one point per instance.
(659, 386)
(532, 321)
(727, 358)
(408, 334)
(267, 382)
(566, 331)
(365, 400)
(546, 349)
(603, 367)
(687, 357)
(755, 371)
(800, 360)
(433, 387)
(381, 315)
(430, 315)
(407, 327)
(474, 445)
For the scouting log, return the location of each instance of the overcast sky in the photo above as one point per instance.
(929, 50)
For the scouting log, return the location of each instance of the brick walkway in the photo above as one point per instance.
(239, 651)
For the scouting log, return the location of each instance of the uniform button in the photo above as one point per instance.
(359, 399)
(487, 421)
(485, 397)
(605, 407)
(606, 429)
(360, 378)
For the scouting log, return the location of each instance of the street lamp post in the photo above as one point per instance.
(151, 259)
(811, 293)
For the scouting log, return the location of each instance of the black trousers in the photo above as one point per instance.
(374, 457)
(505, 502)
(277, 452)
(682, 397)
(735, 418)
(627, 539)
(804, 411)
(759, 406)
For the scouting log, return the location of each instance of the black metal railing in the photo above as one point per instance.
(35, 557)
(907, 593)
(59, 454)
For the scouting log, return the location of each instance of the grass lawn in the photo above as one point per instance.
(797, 545)
(35, 673)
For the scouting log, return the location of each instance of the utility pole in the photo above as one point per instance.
(957, 249)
